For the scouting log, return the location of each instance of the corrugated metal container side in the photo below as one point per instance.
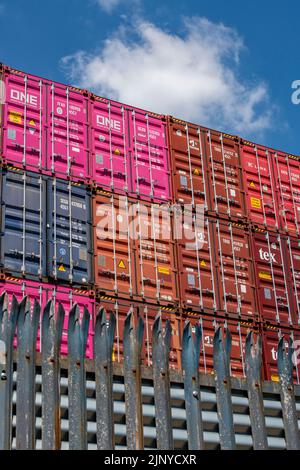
(187, 163)
(43, 292)
(272, 280)
(134, 254)
(238, 331)
(23, 118)
(196, 266)
(287, 181)
(292, 265)
(67, 152)
(69, 224)
(148, 313)
(259, 185)
(225, 182)
(270, 336)
(129, 150)
(235, 271)
(23, 228)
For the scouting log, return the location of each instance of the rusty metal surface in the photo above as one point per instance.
(28, 322)
(133, 339)
(255, 396)
(190, 364)
(103, 348)
(52, 326)
(223, 389)
(289, 414)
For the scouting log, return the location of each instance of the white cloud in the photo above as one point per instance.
(109, 5)
(194, 76)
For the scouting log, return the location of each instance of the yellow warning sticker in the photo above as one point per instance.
(121, 264)
(252, 185)
(32, 123)
(163, 270)
(117, 152)
(265, 275)
(256, 203)
(274, 378)
(62, 268)
(202, 263)
(15, 117)
(196, 172)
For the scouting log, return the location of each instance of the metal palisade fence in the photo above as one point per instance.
(32, 419)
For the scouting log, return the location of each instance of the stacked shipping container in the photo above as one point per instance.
(104, 204)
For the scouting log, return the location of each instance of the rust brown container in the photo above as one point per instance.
(235, 270)
(134, 250)
(187, 162)
(225, 182)
(148, 312)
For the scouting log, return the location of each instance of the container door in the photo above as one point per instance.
(235, 271)
(287, 174)
(113, 246)
(109, 133)
(259, 187)
(149, 156)
(69, 232)
(23, 121)
(197, 276)
(23, 224)
(293, 274)
(67, 132)
(271, 279)
(225, 178)
(187, 164)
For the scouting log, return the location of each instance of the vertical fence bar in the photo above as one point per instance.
(288, 403)
(190, 364)
(253, 361)
(161, 381)
(132, 347)
(77, 339)
(8, 322)
(223, 389)
(103, 348)
(52, 326)
(27, 336)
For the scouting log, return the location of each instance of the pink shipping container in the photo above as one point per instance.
(129, 150)
(43, 293)
(44, 126)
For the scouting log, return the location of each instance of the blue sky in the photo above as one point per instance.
(228, 65)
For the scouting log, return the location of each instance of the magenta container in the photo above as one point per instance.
(43, 293)
(23, 118)
(129, 151)
(67, 132)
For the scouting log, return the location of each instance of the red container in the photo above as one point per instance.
(292, 266)
(187, 162)
(272, 280)
(129, 150)
(259, 185)
(42, 293)
(120, 308)
(235, 272)
(225, 182)
(271, 335)
(238, 330)
(287, 181)
(44, 126)
(134, 250)
(196, 266)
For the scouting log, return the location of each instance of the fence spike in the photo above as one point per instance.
(253, 361)
(132, 346)
(223, 389)
(77, 339)
(288, 403)
(8, 322)
(27, 335)
(52, 326)
(103, 349)
(190, 365)
(161, 381)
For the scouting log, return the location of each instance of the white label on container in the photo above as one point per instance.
(232, 192)
(75, 149)
(178, 132)
(267, 292)
(243, 289)
(59, 110)
(189, 270)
